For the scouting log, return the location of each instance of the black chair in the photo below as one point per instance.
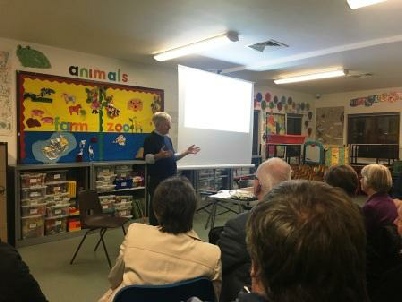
(200, 287)
(93, 219)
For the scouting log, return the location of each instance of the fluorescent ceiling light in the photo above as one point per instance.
(197, 47)
(355, 4)
(314, 76)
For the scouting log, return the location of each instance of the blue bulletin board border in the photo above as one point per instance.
(59, 123)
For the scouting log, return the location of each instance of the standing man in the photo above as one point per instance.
(236, 262)
(160, 156)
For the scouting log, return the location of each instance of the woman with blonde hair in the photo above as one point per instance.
(383, 241)
(379, 209)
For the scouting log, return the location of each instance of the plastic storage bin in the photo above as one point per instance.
(52, 176)
(32, 226)
(123, 168)
(61, 199)
(123, 184)
(123, 198)
(55, 225)
(39, 209)
(122, 209)
(55, 188)
(32, 202)
(123, 171)
(58, 210)
(107, 198)
(38, 192)
(107, 202)
(29, 180)
(104, 171)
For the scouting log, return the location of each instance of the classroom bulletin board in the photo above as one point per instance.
(63, 120)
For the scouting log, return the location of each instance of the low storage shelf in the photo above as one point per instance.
(45, 196)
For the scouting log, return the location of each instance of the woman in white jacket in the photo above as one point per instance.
(170, 252)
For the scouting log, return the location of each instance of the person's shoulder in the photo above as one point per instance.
(381, 201)
(210, 246)
(7, 250)
(238, 221)
(150, 136)
(141, 228)
(234, 230)
(201, 243)
(209, 250)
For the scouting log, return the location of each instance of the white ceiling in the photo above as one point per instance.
(321, 34)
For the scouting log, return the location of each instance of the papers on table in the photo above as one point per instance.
(234, 194)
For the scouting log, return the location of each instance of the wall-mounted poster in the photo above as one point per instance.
(72, 120)
(5, 94)
(329, 123)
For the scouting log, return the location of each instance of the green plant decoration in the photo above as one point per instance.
(32, 58)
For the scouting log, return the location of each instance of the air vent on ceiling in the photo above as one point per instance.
(271, 44)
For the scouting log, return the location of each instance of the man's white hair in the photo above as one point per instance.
(272, 172)
(161, 117)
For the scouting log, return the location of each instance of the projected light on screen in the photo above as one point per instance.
(216, 102)
(215, 113)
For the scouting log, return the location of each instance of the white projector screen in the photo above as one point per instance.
(216, 114)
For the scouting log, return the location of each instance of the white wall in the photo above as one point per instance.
(343, 99)
(61, 59)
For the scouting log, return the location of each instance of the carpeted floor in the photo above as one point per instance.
(85, 280)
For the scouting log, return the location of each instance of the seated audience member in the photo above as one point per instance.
(344, 177)
(17, 283)
(383, 241)
(307, 243)
(379, 209)
(384, 244)
(383, 259)
(236, 261)
(385, 262)
(170, 252)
